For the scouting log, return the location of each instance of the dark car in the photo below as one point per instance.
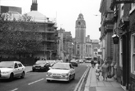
(74, 63)
(41, 65)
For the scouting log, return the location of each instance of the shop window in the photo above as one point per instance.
(133, 54)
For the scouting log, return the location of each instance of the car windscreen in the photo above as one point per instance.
(40, 62)
(60, 66)
(6, 64)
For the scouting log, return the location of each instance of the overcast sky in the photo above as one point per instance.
(66, 12)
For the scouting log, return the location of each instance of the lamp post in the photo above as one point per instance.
(115, 38)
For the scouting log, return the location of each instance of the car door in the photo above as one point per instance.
(21, 68)
(16, 69)
(72, 70)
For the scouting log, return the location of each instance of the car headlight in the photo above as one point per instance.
(49, 74)
(66, 74)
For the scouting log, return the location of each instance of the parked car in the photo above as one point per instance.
(74, 62)
(80, 60)
(51, 62)
(41, 65)
(12, 69)
(61, 72)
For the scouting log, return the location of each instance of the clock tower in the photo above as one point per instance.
(80, 37)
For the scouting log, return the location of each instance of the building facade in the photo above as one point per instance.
(106, 30)
(5, 9)
(123, 41)
(88, 47)
(80, 37)
(68, 45)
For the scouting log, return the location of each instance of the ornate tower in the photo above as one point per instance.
(80, 34)
(34, 5)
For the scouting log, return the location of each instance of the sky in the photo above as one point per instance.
(66, 13)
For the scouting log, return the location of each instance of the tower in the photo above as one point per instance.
(34, 5)
(80, 34)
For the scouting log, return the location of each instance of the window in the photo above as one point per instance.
(133, 54)
(78, 47)
(132, 7)
(120, 52)
(15, 66)
(79, 23)
(20, 65)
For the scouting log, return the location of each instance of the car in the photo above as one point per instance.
(81, 61)
(87, 61)
(74, 63)
(12, 69)
(61, 72)
(41, 65)
(51, 62)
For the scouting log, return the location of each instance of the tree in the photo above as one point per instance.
(18, 35)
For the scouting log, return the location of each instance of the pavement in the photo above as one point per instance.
(92, 84)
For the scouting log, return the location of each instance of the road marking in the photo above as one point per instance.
(14, 89)
(35, 81)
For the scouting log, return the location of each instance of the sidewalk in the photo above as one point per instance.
(93, 84)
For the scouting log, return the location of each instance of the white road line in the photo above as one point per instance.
(14, 89)
(35, 81)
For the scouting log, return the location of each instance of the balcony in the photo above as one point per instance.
(50, 30)
(109, 19)
(114, 2)
(109, 27)
(48, 40)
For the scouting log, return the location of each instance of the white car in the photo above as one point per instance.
(11, 69)
(61, 72)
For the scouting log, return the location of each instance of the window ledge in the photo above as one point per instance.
(131, 11)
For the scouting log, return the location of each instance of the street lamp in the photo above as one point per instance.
(115, 38)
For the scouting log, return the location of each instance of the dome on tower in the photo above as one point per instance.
(80, 16)
(37, 16)
(80, 22)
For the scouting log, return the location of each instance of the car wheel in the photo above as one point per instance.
(33, 70)
(73, 76)
(23, 74)
(48, 80)
(69, 78)
(11, 76)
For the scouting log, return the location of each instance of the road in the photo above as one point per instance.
(35, 81)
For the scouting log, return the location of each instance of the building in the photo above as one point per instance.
(106, 30)
(5, 9)
(60, 43)
(80, 37)
(68, 45)
(47, 32)
(95, 47)
(123, 40)
(88, 47)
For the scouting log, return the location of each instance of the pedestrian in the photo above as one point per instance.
(98, 70)
(92, 63)
(105, 70)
